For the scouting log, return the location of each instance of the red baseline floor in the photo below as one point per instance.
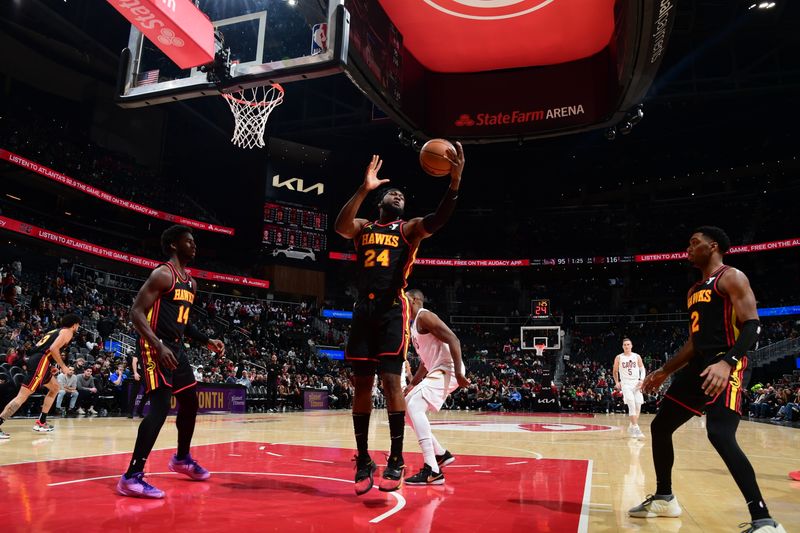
(266, 487)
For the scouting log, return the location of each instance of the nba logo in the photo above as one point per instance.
(319, 39)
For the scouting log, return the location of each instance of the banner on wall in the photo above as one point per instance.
(63, 179)
(115, 255)
(569, 261)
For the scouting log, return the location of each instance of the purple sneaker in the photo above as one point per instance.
(189, 467)
(137, 487)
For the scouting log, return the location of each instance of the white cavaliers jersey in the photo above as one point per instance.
(629, 367)
(433, 353)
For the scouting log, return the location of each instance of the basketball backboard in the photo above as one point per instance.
(531, 336)
(270, 41)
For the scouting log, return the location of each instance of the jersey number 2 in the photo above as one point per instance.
(695, 321)
(370, 258)
(183, 315)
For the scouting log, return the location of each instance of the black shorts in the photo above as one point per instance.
(155, 376)
(379, 335)
(39, 373)
(687, 386)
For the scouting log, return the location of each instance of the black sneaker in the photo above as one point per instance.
(392, 478)
(445, 459)
(426, 476)
(364, 470)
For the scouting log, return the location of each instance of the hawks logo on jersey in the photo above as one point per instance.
(385, 257)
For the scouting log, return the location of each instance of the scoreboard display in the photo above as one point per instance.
(292, 225)
(540, 308)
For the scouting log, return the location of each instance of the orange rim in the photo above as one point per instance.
(272, 102)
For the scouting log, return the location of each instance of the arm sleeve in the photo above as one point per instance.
(642, 373)
(748, 335)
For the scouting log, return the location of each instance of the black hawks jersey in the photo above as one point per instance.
(170, 312)
(712, 321)
(43, 346)
(385, 258)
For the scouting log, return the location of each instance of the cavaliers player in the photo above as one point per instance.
(379, 336)
(46, 350)
(628, 373)
(160, 314)
(714, 371)
(441, 371)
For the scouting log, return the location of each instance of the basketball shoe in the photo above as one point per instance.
(765, 525)
(188, 466)
(137, 487)
(4, 435)
(636, 433)
(43, 428)
(365, 467)
(653, 506)
(445, 459)
(426, 476)
(392, 478)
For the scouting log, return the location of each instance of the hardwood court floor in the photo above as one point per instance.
(531, 472)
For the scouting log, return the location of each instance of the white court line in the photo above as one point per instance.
(275, 454)
(483, 471)
(316, 461)
(518, 463)
(234, 455)
(104, 477)
(536, 455)
(583, 524)
(401, 502)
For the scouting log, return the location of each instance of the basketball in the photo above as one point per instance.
(433, 157)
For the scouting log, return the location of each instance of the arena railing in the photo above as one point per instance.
(775, 351)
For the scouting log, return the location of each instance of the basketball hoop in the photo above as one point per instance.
(539, 349)
(251, 109)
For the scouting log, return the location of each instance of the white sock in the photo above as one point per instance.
(427, 454)
(438, 448)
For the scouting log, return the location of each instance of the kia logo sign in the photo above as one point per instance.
(297, 185)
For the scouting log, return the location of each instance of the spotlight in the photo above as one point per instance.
(611, 134)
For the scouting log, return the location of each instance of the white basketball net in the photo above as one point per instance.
(251, 109)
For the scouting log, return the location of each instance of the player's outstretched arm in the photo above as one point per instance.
(653, 381)
(158, 283)
(736, 285)
(422, 227)
(347, 225)
(431, 323)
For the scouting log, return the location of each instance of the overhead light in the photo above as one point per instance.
(292, 2)
(17, 198)
(67, 213)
